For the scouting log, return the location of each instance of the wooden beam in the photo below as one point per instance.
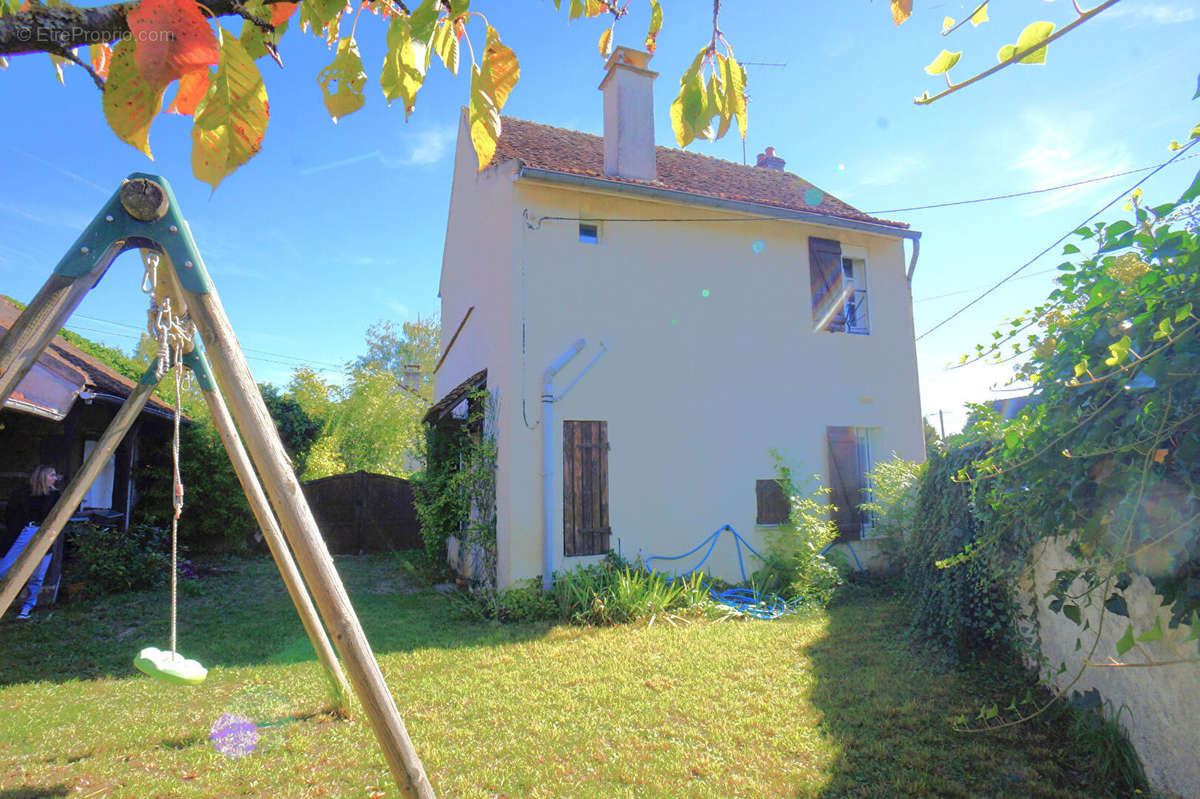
(37, 325)
(273, 464)
(44, 538)
(276, 542)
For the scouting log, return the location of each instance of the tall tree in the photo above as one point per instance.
(390, 350)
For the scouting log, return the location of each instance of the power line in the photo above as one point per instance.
(77, 328)
(1060, 239)
(977, 288)
(1072, 185)
(244, 349)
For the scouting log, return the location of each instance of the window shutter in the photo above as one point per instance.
(845, 481)
(825, 278)
(772, 502)
(586, 530)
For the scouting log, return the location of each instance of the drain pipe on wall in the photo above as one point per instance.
(548, 400)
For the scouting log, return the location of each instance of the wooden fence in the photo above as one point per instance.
(363, 512)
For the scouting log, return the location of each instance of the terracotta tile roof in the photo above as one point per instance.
(100, 377)
(572, 152)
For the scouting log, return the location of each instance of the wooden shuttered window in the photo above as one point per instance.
(845, 481)
(826, 281)
(586, 530)
(772, 502)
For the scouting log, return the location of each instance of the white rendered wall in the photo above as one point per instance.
(695, 389)
(1162, 704)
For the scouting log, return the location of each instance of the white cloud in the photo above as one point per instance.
(894, 171)
(1058, 153)
(423, 148)
(398, 309)
(1152, 13)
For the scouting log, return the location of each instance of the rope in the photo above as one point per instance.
(176, 497)
(743, 600)
(172, 333)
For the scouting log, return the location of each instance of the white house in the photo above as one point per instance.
(724, 310)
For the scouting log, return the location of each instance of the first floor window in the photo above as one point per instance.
(586, 530)
(850, 462)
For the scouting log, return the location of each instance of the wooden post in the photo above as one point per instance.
(37, 325)
(272, 461)
(44, 538)
(275, 541)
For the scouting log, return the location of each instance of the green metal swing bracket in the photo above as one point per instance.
(143, 213)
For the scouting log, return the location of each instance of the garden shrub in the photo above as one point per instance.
(794, 564)
(110, 561)
(895, 485)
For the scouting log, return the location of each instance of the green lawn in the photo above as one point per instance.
(833, 704)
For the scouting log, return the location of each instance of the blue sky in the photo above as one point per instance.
(332, 227)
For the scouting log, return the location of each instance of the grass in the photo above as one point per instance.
(831, 704)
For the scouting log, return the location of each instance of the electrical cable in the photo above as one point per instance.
(1030, 192)
(1060, 239)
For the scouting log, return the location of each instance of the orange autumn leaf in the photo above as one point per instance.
(192, 88)
(901, 10)
(172, 38)
(280, 12)
(101, 59)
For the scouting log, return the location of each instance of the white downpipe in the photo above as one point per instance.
(548, 399)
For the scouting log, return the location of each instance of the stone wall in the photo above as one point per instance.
(1163, 703)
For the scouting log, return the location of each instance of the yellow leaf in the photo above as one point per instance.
(735, 87)
(347, 73)
(943, 62)
(980, 16)
(484, 119)
(130, 103)
(606, 43)
(901, 10)
(404, 66)
(1034, 33)
(231, 120)
(947, 24)
(491, 83)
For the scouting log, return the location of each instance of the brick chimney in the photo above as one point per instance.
(769, 160)
(629, 115)
(411, 377)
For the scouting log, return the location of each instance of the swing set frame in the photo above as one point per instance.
(143, 214)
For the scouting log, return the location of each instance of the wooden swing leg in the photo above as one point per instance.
(275, 541)
(72, 495)
(38, 324)
(269, 457)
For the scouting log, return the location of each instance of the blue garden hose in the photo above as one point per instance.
(850, 547)
(744, 600)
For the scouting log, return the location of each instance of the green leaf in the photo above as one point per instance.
(445, 44)
(231, 120)
(343, 80)
(1154, 634)
(1012, 439)
(576, 10)
(1184, 312)
(1126, 642)
(404, 66)
(1164, 329)
(689, 103)
(130, 103)
(423, 21)
(1069, 249)
(735, 86)
(944, 61)
(1072, 613)
(319, 13)
(1034, 33)
(656, 19)
(1119, 349)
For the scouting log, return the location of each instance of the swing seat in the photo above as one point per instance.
(170, 667)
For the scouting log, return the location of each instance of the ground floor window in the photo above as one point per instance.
(100, 495)
(850, 453)
(586, 530)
